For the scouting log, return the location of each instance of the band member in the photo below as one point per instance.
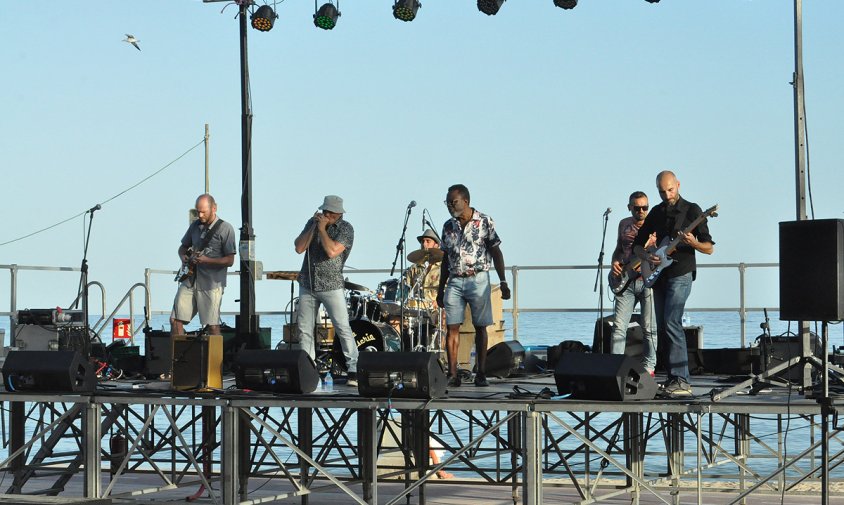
(672, 288)
(426, 276)
(471, 246)
(209, 246)
(635, 292)
(326, 241)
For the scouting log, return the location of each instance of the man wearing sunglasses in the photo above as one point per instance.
(471, 247)
(624, 271)
(326, 241)
(673, 287)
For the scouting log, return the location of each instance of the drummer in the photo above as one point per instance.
(425, 275)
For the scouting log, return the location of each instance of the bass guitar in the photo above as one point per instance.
(650, 272)
(630, 270)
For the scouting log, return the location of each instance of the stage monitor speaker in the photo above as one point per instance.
(812, 270)
(635, 335)
(401, 375)
(505, 359)
(197, 362)
(612, 377)
(48, 371)
(291, 372)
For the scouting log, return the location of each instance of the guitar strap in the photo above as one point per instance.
(209, 234)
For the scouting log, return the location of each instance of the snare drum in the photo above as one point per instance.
(369, 337)
(391, 293)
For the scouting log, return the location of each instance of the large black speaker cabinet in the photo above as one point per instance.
(612, 377)
(635, 336)
(158, 350)
(49, 371)
(505, 359)
(292, 372)
(401, 375)
(197, 362)
(812, 270)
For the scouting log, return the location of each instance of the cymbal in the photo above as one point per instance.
(282, 275)
(422, 255)
(354, 287)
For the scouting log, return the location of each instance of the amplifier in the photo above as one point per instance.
(197, 362)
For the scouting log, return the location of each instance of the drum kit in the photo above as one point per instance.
(400, 314)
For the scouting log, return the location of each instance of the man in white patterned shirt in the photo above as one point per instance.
(471, 247)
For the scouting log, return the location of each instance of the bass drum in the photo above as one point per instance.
(369, 337)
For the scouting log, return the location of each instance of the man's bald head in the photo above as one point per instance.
(668, 187)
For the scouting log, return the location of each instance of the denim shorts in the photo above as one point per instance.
(473, 290)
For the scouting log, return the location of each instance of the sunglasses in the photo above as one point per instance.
(452, 203)
(638, 208)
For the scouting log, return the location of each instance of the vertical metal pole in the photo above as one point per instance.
(247, 325)
(17, 437)
(229, 455)
(515, 297)
(634, 448)
(305, 416)
(699, 448)
(532, 485)
(13, 304)
(368, 440)
(207, 160)
(742, 308)
(826, 403)
(93, 434)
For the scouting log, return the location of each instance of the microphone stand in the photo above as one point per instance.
(599, 284)
(82, 292)
(400, 254)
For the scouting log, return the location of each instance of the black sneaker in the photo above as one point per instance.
(454, 382)
(677, 388)
(480, 380)
(352, 379)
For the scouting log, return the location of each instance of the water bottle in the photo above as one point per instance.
(686, 320)
(328, 382)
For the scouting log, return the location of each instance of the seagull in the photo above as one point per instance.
(132, 40)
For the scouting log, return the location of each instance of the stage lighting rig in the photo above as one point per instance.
(566, 4)
(326, 16)
(490, 7)
(405, 10)
(263, 18)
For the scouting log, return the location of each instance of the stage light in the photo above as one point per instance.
(263, 18)
(566, 4)
(405, 10)
(490, 7)
(326, 16)
(653, 1)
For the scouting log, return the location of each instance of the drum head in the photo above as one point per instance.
(369, 337)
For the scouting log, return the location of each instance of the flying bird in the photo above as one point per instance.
(132, 40)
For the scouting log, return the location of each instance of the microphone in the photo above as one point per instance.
(411, 204)
(607, 212)
(95, 208)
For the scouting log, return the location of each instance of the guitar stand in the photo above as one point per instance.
(768, 377)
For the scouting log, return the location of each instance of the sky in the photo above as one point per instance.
(549, 116)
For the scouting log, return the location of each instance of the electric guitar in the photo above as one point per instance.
(188, 269)
(650, 272)
(618, 283)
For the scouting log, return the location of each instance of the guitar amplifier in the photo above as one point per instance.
(197, 362)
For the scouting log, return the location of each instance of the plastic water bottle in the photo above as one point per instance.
(328, 382)
(686, 320)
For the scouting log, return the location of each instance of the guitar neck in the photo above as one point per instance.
(676, 241)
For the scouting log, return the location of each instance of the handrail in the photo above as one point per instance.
(130, 297)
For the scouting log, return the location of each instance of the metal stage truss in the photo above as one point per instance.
(238, 448)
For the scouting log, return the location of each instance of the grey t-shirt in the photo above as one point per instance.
(327, 272)
(221, 244)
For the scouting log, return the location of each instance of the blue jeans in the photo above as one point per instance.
(473, 290)
(670, 295)
(335, 304)
(624, 304)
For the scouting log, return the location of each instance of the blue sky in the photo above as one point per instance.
(548, 116)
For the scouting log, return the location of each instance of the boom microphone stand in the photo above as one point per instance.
(400, 254)
(599, 282)
(82, 292)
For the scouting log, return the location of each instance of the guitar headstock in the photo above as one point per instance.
(711, 211)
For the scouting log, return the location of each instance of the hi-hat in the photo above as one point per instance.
(354, 287)
(422, 255)
(282, 275)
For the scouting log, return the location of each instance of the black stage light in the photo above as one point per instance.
(326, 16)
(275, 371)
(490, 7)
(566, 4)
(263, 18)
(405, 10)
(401, 375)
(653, 1)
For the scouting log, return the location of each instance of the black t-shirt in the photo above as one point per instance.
(666, 221)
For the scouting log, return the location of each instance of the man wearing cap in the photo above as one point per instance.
(471, 247)
(326, 241)
(426, 275)
(209, 246)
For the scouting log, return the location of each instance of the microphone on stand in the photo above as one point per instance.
(95, 208)
(411, 204)
(607, 212)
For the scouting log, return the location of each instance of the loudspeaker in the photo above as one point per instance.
(603, 377)
(776, 350)
(50, 371)
(197, 362)
(694, 343)
(730, 361)
(635, 335)
(401, 375)
(812, 270)
(505, 359)
(159, 353)
(275, 371)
